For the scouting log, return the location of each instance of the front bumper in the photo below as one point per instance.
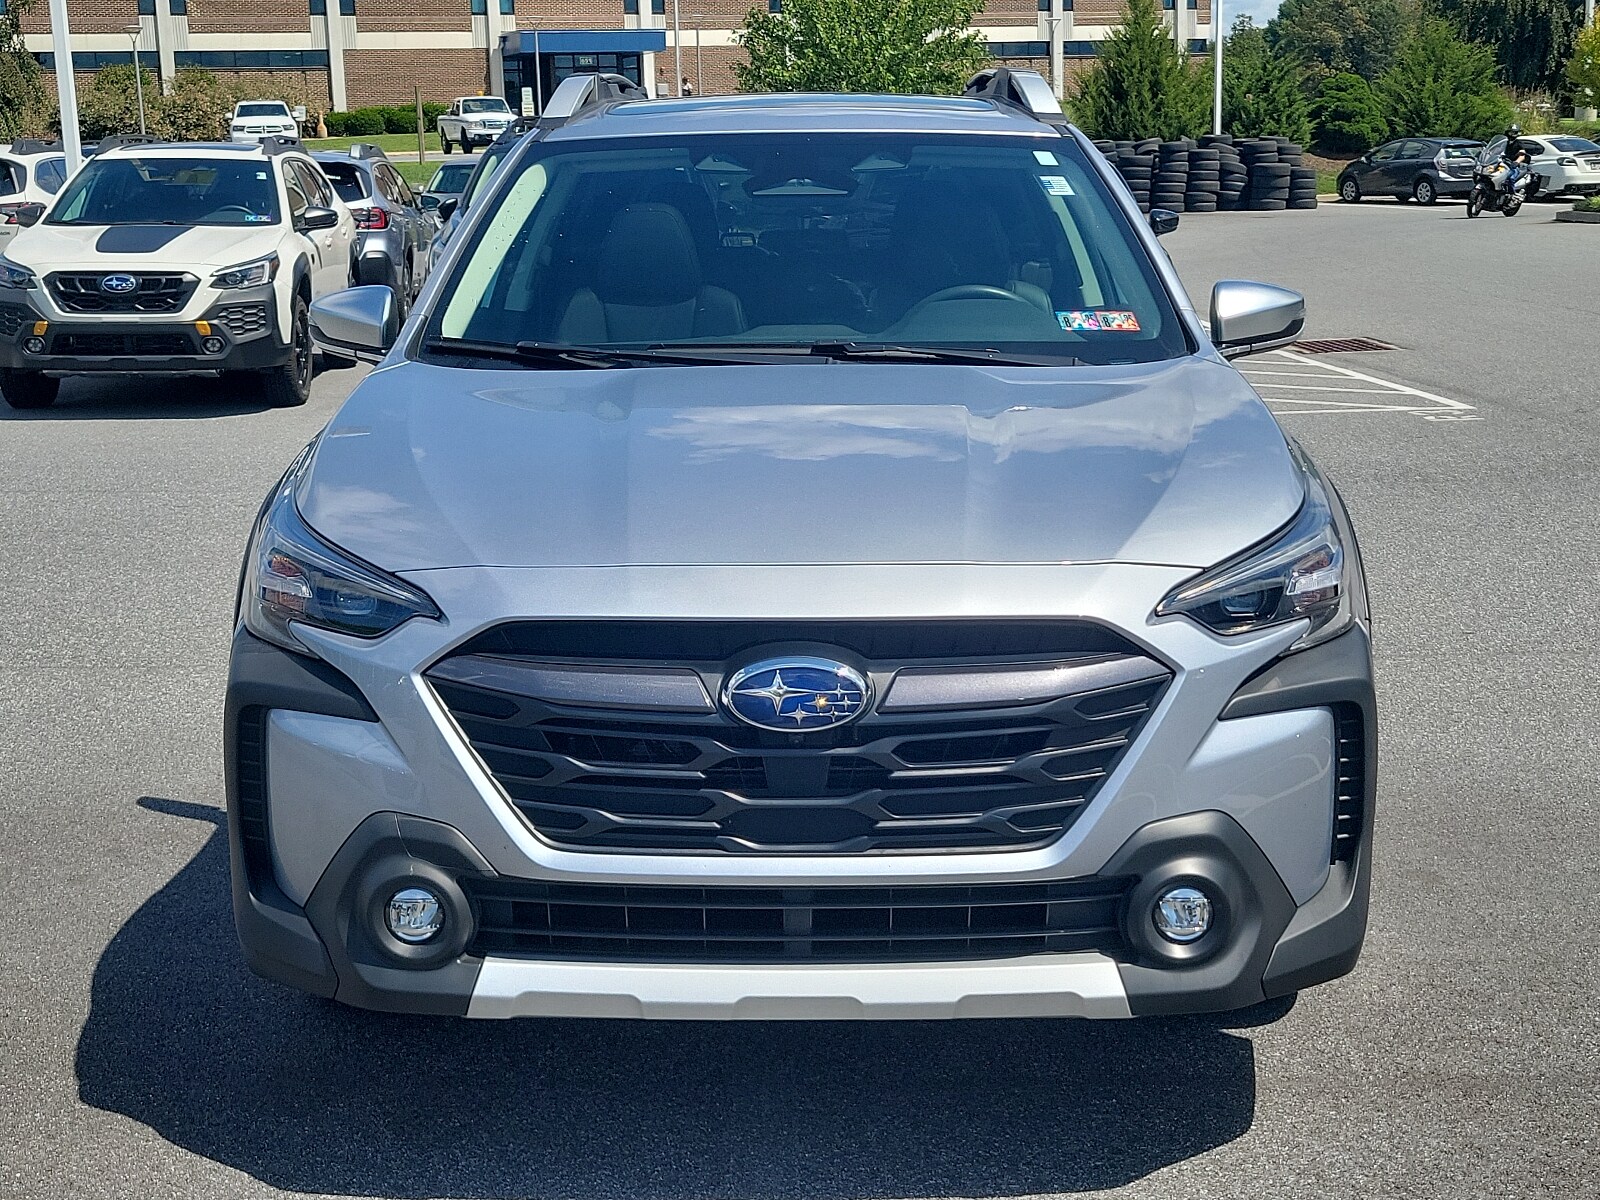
(327, 811)
(246, 323)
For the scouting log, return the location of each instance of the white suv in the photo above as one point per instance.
(181, 259)
(31, 173)
(253, 120)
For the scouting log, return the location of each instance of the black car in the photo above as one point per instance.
(1421, 169)
(393, 228)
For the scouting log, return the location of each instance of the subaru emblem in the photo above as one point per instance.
(796, 695)
(118, 285)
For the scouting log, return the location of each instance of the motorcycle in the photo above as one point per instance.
(1489, 192)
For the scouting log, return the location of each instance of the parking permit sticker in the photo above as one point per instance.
(1045, 159)
(1078, 320)
(1119, 322)
(1056, 185)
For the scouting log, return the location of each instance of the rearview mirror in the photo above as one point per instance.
(318, 218)
(1163, 221)
(1249, 318)
(447, 208)
(359, 322)
(429, 201)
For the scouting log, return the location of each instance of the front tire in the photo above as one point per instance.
(1350, 191)
(289, 386)
(1425, 192)
(29, 389)
(1475, 202)
(1511, 207)
(444, 143)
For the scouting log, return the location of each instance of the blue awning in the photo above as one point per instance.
(585, 41)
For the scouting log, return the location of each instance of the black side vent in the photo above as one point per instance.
(251, 748)
(1350, 781)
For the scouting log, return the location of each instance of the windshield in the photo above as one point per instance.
(1573, 145)
(451, 178)
(168, 191)
(347, 180)
(485, 104)
(1007, 244)
(257, 110)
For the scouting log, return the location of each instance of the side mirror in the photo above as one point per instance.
(359, 322)
(447, 208)
(429, 202)
(28, 214)
(317, 218)
(1163, 221)
(1248, 318)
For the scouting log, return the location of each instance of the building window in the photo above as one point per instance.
(249, 60)
(774, 5)
(347, 8)
(631, 7)
(178, 8)
(1044, 6)
(319, 8)
(658, 7)
(1194, 5)
(1199, 46)
(478, 8)
(1168, 5)
(147, 8)
(508, 8)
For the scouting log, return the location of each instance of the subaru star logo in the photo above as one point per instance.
(118, 285)
(796, 695)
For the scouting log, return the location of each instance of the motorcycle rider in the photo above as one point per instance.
(1517, 158)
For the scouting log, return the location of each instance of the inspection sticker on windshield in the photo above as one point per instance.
(1119, 322)
(1099, 321)
(1045, 159)
(1078, 320)
(1056, 185)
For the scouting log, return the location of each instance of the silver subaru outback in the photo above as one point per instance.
(803, 557)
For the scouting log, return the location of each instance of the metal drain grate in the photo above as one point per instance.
(1341, 346)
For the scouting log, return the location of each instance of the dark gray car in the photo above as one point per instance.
(394, 229)
(1420, 169)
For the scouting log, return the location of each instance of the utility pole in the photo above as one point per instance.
(1587, 114)
(66, 84)
(133, 32)
(1216, 55)
(677, 51)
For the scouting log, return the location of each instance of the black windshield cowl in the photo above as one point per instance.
(558, 356)
(896, 353)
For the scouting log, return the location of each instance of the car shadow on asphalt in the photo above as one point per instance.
(129, 398)
(309, 1096)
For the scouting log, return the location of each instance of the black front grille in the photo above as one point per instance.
(1350, 780)
(781, 925)
(13, 317)
(242, 320)
(82, 292)
(117, 345)
(963, 779)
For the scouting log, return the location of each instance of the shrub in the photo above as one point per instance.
(361, 122)
(1441, 86)
(197, 108)
(1588, 204)
(1140, 86)
(1349, 115)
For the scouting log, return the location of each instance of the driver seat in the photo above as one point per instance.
(648, 286)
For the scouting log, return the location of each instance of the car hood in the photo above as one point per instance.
(428, 467)
(45, 248)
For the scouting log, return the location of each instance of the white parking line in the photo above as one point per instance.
(1284, 393)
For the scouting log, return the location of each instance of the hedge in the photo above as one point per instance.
(377, 119)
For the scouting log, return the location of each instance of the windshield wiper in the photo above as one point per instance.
(890, 352)
(557, 354)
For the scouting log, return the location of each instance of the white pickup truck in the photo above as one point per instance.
(473, 121)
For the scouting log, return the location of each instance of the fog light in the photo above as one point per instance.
(213, 345)
(1183, 914)
(33, 345)
(414, 915)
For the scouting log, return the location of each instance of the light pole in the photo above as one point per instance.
(1587, 114)
(699, 19)
(538, 74)
(1216, 54)
(1050, 18)
(66, 84)
(133, 32)
(677, 51)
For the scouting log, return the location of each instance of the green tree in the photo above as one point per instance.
(1442, 86)
(1349, 115)
(1361, 37)
(910, 47)
(197, 107)
(109, 105)
(1140, 85)
(22, 98)
(1262, 89)
(1532, 39)
(1583, 70)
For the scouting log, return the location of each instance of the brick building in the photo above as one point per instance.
(344, 54)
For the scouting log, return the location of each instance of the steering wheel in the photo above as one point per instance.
(246, 210)
(969, 291)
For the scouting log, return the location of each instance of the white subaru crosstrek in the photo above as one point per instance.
(183, 259)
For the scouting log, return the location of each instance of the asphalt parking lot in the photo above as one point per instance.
(138, 1057)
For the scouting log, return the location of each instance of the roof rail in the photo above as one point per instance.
(367, 150)
(578, 92)
(117, 141)
(33, 146)
(1026, 90)
(281, 145)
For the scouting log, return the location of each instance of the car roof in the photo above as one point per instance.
(800, 112)
(187, 150)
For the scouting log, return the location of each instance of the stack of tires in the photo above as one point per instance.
(1268, 186)
(1137, 166)
(1233, 177)
(1171, 182)
(1205, 180)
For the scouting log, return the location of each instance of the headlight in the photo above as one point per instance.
(14, 276)
(1308, 571)
(250, 274)
(292, 575)
(238, 128)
